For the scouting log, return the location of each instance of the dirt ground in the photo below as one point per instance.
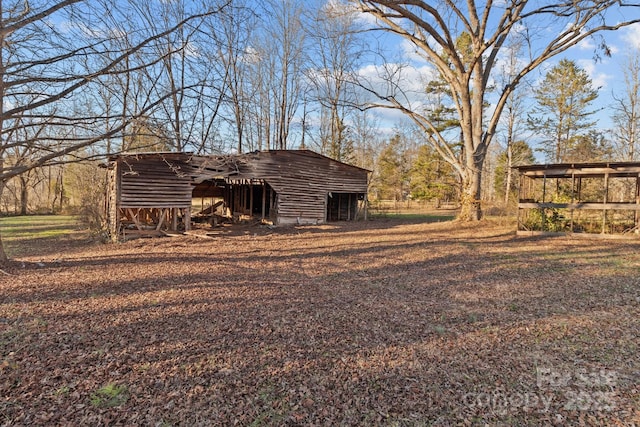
(373, 323)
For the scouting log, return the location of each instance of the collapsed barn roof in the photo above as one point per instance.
(287, 186)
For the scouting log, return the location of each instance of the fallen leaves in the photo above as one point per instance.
(377, 323)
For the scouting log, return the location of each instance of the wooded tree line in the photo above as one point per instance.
(81, 79)
(85, 79)
(559, 123)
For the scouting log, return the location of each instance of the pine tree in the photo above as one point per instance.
(431, 178)
(391, 174)
(562, 116)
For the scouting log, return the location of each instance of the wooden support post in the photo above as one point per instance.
(134, 218)
(264, 199)
(174, 219)
(636, 216)
(604, 201)
(573, 188)
(162, 213)
(187, 219)
(250, 199)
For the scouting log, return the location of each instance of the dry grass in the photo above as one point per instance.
(379, 323)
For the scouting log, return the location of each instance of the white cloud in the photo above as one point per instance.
(410, 52)
(587, 44)
(596, 72)
(405, 82)
(631, 35)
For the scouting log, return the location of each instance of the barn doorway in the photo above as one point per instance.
(342, 206)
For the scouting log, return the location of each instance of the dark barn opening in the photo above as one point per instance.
(342, 206)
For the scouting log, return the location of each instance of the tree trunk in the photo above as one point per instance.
(4, 259)
(507, 190)
(470, 206)
(3, 256)
(24, 196)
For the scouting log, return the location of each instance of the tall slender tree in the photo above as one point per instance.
(517, 153)
(626, 110)
(337, 52)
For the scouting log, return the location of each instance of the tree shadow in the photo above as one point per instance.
(406, 326)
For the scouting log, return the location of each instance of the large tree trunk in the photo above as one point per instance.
(470, 206)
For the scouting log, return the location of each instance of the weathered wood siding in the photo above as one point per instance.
(303, 180)
(160, 181)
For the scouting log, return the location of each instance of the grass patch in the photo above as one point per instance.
(426, 217)
(28, 235)
(36, 226)
(109, 396)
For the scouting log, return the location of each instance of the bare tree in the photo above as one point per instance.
(194, 68)
(284, 41)
(337, 51)
(513, 113)
(513, 116)
(366, 140)
(52, 55)
(237, 57)
(435, 30)
(626, 109)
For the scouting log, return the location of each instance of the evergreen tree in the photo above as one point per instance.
(390, 182)
(562, 115)
(592, 147)
(431, 178)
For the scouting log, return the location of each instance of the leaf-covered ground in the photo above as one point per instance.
(378, 323)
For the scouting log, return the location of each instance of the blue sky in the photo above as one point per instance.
(605, 72)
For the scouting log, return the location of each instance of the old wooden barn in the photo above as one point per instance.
(151, 193)
(584, 198)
